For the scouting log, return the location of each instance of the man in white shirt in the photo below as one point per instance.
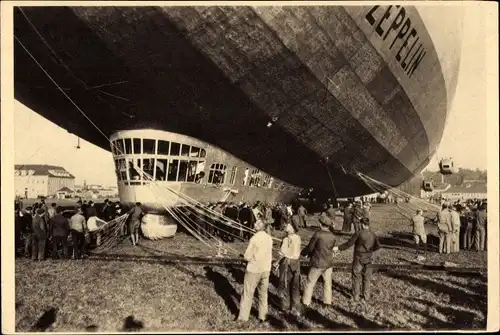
(419, 233)
(259, 255)
(79, 228)
(444, 229)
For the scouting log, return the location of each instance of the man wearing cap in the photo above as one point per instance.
(321, 261)
(78, 227)
(419, 234)
(259, 257)
(136, 215)
(39, 235)
(365, 244)
(59, 226)
(480, 225)
(288, 265)
(444, 229)
(455, 225)
(357, 216)
(302, 216)
(347, 225)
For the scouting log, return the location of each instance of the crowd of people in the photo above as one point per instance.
(460, 225)
(41, 227)
(41, 224)
(320, 251)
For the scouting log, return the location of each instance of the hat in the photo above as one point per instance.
(365, 221)
(39, 211)
(323, 220)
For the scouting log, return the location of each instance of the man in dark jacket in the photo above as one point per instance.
(347, 225)
(247, 219)
(480, 228)
(319, 251)
(27, 230)
(365, 243)
(357, 216)
(39, 236)
(91, 210)
(59, 226)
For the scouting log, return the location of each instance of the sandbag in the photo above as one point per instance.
(155, 227)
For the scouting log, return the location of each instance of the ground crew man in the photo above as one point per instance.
(357, 216)
(469, 226)
(365, 244)
(347, 225)
(419, 233)
(259, 257)
(27, 229)
(79, 228)
(444, 229)
(302, 216)
(39, 235)
(321, 262)
(59, 226)
(288, 265)
(455, 233)
(480, 222)
(135, 222)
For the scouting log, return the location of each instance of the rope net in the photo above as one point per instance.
(204, 223)
(110, 233)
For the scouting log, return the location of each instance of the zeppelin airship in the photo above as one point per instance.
(239, 103)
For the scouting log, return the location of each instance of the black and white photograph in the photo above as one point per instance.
(249, 167)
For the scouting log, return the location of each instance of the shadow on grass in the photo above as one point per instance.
(458, 295)
(132, 324)
(318, 318)
(456, 319)
(310, 314)
(404, 240)
(360, 321)
(45, 321)
(344, 290)
(224, 289)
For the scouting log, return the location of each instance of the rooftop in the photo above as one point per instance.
(42, 170)
(468, 187)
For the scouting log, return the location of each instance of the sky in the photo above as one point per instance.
(464, 137)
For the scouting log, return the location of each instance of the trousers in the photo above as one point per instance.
(38, 247)
(59, 240)
(79, 243)
(480, 238)
(444, 242)
(250, 283)
(361, 275)
(302, 221)
(468, 238)
(289, 283)
(312, 278)
(346, 226)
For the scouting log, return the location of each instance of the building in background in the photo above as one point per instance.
(468, 190)
(34, 180)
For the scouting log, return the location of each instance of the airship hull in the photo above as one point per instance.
(310, 95)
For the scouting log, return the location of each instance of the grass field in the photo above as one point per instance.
(98, 295)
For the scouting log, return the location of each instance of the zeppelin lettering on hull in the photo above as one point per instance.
(405, 37)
